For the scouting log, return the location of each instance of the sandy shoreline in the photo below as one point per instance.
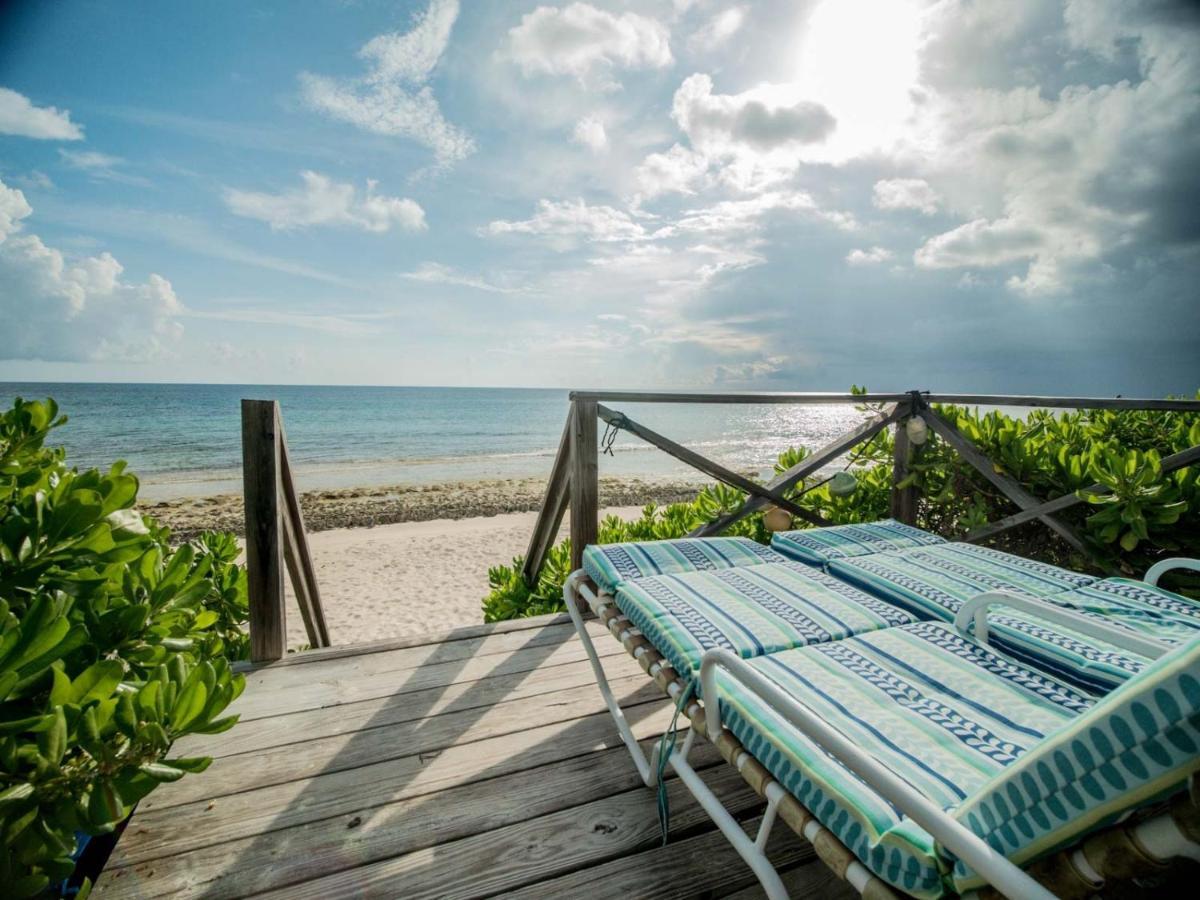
(411, 578)
(409, 559)
(368, 507)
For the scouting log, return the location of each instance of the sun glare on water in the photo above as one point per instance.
(859, 59)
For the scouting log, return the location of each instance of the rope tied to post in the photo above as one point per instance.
(611, 428)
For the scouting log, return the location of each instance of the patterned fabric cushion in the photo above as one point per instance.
(1139, 743)
(609, 565)
(749, 610)
(817, 546)
(934, 582)
(1154, 612)
(937, 708)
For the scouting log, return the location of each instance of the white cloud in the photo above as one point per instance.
(394, 98)
(752, 140)
(764, 118)
(13, 208)
(980, 243)
(101, 165)
(18, 116)
(36, 179)
(1067, 181)
(56, 308)
(582, 40)
(717, 30)
(90, 160)
(679, 170)
(870, 257)
(574, 219)
(438, 273)
(738, 216)
(322, 201)
(590, 132)
(905, 193)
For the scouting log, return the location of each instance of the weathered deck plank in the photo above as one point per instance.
(477, 763)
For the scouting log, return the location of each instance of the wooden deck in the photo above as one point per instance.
(468, 764)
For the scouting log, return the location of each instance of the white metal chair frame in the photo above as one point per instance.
(1159, 835)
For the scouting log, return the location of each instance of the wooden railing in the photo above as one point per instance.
(574, 479)
(275, 537)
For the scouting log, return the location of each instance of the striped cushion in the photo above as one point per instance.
(1139, 743)
(934, 582)
(938, 709)
(609, 565)
(749, 610)
(817, 546)
(1151, 611)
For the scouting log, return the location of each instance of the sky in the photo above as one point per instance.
(951, 195)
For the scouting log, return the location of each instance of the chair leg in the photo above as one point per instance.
(647, 769)
(752, 851)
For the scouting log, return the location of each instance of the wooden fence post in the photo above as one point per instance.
(904, 500)
(264, 529)
(585, 479)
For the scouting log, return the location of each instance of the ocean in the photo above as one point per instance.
(184, 440)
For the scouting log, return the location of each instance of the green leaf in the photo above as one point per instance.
(52, 743)
(97, 681)
(162, 772)
(189, 704)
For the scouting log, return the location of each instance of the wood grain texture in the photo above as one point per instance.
(903, 500)
(585, 479)
(553, 508)
(1171, 463)
(259, 863)
(443, 636)
(264, 528)
(1004, 483)
(807, 466)
(705, 465)
(801, 399)
(297, 554)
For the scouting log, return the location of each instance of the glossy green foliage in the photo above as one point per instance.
(113, 644)
(1134, 514)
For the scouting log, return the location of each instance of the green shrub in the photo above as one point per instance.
(113, 644)
(1144, 515)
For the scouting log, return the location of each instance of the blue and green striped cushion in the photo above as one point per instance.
(934, 582)
(937, 708)
(609, 565)
(1152, 611)
(748, 610)
(817, 546)
(1086, 662)
(1139, 743)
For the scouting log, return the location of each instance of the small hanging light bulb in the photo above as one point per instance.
(776, 519)
(917, 430)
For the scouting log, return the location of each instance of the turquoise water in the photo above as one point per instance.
(184, 439)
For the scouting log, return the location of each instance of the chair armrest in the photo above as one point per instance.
(976, 609)
(1006, 876)
(1159, 569)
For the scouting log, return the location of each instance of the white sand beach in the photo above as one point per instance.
(410, 578)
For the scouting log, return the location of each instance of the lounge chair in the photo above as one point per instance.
(915, 755)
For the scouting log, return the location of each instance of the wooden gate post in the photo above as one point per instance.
(261, 463)
(904, 500)
(585, 479)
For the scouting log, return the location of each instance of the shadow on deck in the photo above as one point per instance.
(467, 764)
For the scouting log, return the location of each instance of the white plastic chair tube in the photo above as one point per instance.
(1159, 569)
(977, 607)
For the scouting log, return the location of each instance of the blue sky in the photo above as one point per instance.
(777, 195)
